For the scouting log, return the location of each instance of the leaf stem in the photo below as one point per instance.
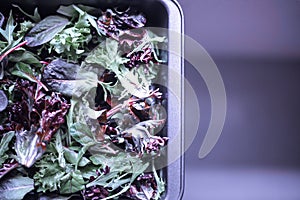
(7, 167)
(12, 49)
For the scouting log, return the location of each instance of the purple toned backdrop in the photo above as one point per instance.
(256, 46)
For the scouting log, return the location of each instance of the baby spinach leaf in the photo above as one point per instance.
(15, 188)
(25, 57)
(61, 70)
(68, 79)
(46, 30)
(24, 71)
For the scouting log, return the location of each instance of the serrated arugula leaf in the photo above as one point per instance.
(130, 82)
(114, 180)
(123, 171)
(107, 55)
(160, 184)
(7, 33)
(73, 11)
(15, 188)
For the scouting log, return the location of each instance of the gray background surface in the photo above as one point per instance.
(256, 46)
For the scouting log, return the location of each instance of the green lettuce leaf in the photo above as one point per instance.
(49, 175)
(73, 157)
(72, 182)
(7, 137)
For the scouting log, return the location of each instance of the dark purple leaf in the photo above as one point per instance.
(60, 69)
(113, 22)
(143, 188)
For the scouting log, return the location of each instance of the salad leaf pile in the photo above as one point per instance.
(80, 114)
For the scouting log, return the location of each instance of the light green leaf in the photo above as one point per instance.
(67, 11)
(160, 184)
(73, 158)
(89, 170)
(7, 137)
(137, 171)
(25, 146)
(89, 17)
(49, 175)
(60, 150)
(119, 164)
(71, 183)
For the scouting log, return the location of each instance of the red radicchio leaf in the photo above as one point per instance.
(36, 117)
(55, 109)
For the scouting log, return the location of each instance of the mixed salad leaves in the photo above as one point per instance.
(80, 114)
